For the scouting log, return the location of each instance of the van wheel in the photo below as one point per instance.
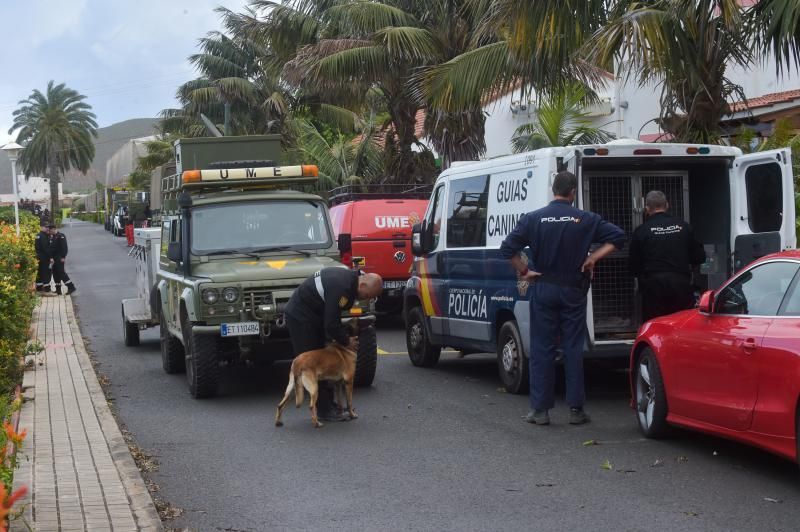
(651, 398)
(130, 331)
(202, 363)
(421, 352)
(172, 353)
(367, 359)
(512, 363)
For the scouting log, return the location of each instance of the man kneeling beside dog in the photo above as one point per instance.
(313, 316)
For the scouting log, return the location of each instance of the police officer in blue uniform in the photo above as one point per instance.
(559, 236)
(662, 253)
(44, 273)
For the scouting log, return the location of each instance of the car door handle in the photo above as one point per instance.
(748, 345)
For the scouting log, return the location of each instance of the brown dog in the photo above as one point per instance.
(332, 363)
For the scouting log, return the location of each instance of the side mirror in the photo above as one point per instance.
(345, 243)
(416, 240)
(706, 303)
(174, 252)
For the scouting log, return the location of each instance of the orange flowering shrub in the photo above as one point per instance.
(17, 299)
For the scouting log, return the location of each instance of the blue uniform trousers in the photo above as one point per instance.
(558, 319)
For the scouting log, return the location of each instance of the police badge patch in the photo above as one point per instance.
(343, 301)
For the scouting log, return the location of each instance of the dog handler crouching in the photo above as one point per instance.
(314, 316)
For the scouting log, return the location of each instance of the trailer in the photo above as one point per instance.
(138, 313)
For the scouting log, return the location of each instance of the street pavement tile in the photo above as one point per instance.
(70, 466)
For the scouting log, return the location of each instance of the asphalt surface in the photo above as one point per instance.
(433, 449)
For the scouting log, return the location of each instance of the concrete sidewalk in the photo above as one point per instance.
(78, 468)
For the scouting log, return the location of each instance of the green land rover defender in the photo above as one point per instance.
(235, 243)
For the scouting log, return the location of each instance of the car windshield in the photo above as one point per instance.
(259, 227)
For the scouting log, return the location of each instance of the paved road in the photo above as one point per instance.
(439, 449)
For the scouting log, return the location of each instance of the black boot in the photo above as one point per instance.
(326, 409)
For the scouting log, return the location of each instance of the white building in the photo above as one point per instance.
(32, 189)
(630, 111)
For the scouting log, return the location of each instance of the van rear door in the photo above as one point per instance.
(763, 210)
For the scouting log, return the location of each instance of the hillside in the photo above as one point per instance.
(109, 140)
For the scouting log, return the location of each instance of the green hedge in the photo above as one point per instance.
(17, 297)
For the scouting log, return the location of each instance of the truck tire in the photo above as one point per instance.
(367, 359)
(420, 350)
(202, 364)
(172, 353)
(130, 331)
(512, 364)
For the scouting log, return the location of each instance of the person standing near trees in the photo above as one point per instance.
(58, 252)
(42, 246)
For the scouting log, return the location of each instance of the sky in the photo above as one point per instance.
(127, 56)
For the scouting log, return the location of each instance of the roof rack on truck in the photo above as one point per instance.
(379, 191)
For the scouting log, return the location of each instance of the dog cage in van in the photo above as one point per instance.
(618, 197)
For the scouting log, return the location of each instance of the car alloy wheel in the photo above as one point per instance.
(651, 399)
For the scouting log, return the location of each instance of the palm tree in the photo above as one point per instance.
(777, 26)
(341, 160)
(344, 50)
(687, 45)
(57, 129)
(560, 121)
(530, 45)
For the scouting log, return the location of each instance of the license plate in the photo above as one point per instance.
(242, 328)
(394, 284)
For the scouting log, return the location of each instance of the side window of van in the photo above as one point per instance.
(466, 223)
(764, 197)
(436, 214)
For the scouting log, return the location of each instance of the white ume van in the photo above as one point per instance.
(463, 294)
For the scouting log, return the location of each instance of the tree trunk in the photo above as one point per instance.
(52, 167)
(404, 115)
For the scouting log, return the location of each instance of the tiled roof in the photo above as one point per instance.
(766, 100)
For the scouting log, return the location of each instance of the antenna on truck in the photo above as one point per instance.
(210, 126)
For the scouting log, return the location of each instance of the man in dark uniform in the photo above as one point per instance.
(313, 315)
(559, 236)
(663, 250)
(58, 251)
(42, 246)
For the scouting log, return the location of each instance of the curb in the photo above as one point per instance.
(142, 505)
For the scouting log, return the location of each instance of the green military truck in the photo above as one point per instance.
(235, 243)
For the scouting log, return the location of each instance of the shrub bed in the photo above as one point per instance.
(17, 300)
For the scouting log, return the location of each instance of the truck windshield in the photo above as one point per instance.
(251, 226)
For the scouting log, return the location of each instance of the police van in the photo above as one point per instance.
(463, 294)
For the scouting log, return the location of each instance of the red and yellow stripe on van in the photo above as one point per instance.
(429, 303)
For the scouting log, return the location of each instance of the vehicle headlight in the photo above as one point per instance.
(230, 294)
(210, 296)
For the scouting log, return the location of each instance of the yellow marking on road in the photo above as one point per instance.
(395, 353)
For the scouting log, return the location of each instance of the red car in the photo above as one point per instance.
(730, 367)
